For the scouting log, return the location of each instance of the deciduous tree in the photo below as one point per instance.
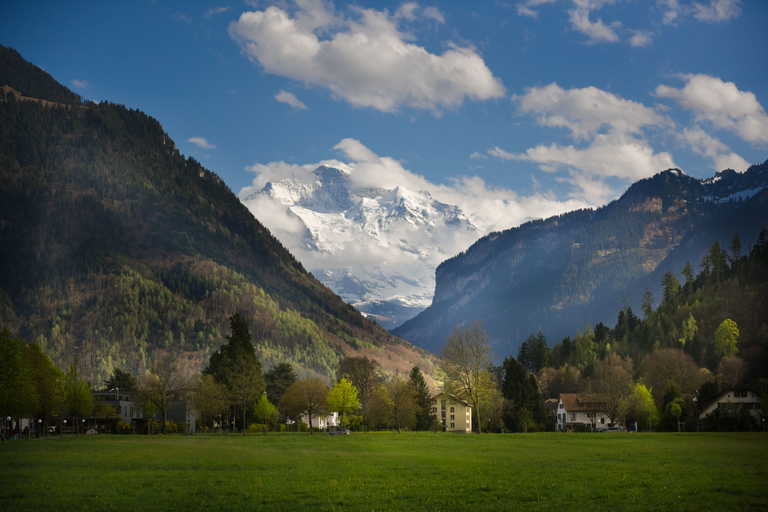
(342, 398)
(164, 383)
(402, 400)
(466, 359)
(363, 374)
(304, 397)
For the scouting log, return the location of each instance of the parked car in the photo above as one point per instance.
(615, 429)
(338, 432)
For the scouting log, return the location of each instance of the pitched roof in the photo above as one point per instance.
(452, 397)
(577, 402)
(736, 386)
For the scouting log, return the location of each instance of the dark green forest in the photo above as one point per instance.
(117, 249)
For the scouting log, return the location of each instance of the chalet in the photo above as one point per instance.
(455, 414)
(738, 395)
(575, 410)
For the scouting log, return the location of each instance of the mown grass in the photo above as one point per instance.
(414, 471)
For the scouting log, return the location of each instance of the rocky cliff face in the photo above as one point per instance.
(558, 274)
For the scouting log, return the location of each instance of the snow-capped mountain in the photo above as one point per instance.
(377, 248)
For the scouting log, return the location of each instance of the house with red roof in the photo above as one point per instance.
(581, 410)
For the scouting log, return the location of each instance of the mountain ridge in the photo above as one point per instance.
(580, 266)
(117, 249)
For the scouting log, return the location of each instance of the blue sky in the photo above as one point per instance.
(511, 110)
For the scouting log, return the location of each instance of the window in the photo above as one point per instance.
(573, 416)
(561, 405)
(453, 409)
(442, 405)
(442, 415)
(602, 421)
(453, 417)
(453, 425)
(740, 394)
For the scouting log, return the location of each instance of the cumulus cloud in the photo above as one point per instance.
(201, 143)
(609, 134)
(586, 111)
(290, 99)
(721, 155)
(364, 58)
(722, 104)
(80, 84)
(597, 31)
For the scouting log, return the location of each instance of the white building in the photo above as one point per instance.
(574, 410)
(737, 395)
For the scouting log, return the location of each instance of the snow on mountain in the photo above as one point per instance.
(377, 248)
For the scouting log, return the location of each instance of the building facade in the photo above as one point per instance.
(455, 414)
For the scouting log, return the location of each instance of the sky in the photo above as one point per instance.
(510, 110)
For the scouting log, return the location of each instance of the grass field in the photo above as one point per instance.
(413, 471)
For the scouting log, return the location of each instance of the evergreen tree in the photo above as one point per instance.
(425, 419)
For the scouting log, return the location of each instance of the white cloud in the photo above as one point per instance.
(607, 156)
(290, 99)
(488, 208)
(704, 144)
(609, 131)
(640, 38)
(717, 10)
(214, 11)
(201, 143)
(528, 8)
(587, 111)
(722, 104)
(80, 84)
(598, 32)
(364, 59)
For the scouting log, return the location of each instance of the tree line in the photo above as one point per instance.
(708, 331)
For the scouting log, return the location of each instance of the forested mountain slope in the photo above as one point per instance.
(556, 274)
(115, 248)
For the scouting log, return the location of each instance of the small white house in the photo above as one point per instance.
(324, 421)
(737, 394)
(574, 410)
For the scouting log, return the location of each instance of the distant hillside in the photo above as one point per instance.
(115, 248)
(556, 275)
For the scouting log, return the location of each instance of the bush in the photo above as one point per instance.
(124, 427)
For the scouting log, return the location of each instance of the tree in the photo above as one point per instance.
(246, 385)
(236, 366)
(642, 408)
(48, 380)
(730, 370)
(121, 379)
(18, 396)
(402, 402)
(304, 397)
(77, 396)
(670, 364)
(646, 305)
(278, 379)
(362, 373)
(613, 383)
(566, 379)
(534, 353)
(425, 419)
(342, 398)
(164, 384)
(524, 405)
(726, 339)
(466, 359)
(671, 287)
(688, 275)
(209, 398)
(689, 330)
(264, 411)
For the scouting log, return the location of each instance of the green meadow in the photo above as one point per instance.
(382, 471)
